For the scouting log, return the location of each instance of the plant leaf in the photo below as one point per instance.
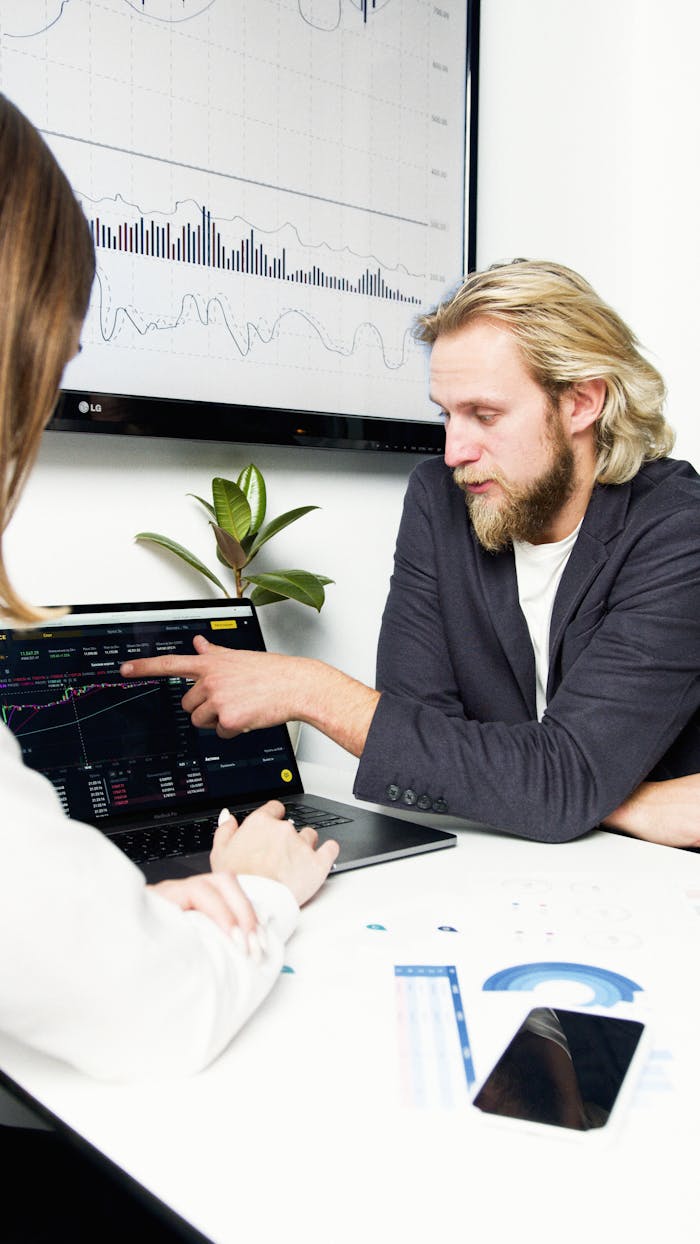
(207, 505)
(278, 524)
(299, 585)
(231, 507)
(252, 484)
(230, 550)
(261, 596)
(180, 551)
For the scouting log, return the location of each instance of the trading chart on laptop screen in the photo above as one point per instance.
(114, 747)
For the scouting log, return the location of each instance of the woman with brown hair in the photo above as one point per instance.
(116, 977)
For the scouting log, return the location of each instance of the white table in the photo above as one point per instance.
(298, 1131)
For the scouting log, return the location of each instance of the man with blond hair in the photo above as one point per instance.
(539, 658)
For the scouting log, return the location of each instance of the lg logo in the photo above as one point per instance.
(87, 408)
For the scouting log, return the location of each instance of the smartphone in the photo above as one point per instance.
(568, 1070)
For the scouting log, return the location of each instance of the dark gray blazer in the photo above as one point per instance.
(455, 729)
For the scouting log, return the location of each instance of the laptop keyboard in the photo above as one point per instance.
(165, 841)
(318, 818)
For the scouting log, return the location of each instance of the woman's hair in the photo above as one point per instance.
(47, 265)
(567, 334)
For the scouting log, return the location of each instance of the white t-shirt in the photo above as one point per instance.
(100, 971)
(539, 568)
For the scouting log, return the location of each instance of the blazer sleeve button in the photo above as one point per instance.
(409, 798)
(439, 805)
(393, 792)
(424, 803)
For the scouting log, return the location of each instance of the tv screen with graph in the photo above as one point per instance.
(275, 189)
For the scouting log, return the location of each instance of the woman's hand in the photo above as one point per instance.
(267, 845)
(220, 897)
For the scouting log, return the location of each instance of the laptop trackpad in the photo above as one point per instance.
(175, 866)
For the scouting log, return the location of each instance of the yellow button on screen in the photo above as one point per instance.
(286, 775)
(224, 624)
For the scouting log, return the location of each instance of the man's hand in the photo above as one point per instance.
(235, 691)
(664, 812)
(267, 845)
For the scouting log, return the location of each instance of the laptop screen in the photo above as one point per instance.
(119, 750)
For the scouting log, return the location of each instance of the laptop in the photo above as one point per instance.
(125, 757)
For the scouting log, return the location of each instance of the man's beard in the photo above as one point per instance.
(524, 513)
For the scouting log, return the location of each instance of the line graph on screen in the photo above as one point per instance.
(324, 15)
(48, 719)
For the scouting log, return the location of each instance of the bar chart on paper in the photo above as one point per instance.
(274, 188)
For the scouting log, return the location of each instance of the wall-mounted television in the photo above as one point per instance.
(275, 189)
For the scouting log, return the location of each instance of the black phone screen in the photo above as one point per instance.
(564, 1068)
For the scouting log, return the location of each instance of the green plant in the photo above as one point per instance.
(236, 514)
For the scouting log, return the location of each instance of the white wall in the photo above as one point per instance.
(590, 111)
(589, 146)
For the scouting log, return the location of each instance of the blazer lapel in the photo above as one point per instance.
(604, 518)
(500, 587)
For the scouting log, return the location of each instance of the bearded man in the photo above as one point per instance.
(539, 659)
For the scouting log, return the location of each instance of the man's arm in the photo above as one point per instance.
(236, 691)
(343, 708)
(664, 812)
